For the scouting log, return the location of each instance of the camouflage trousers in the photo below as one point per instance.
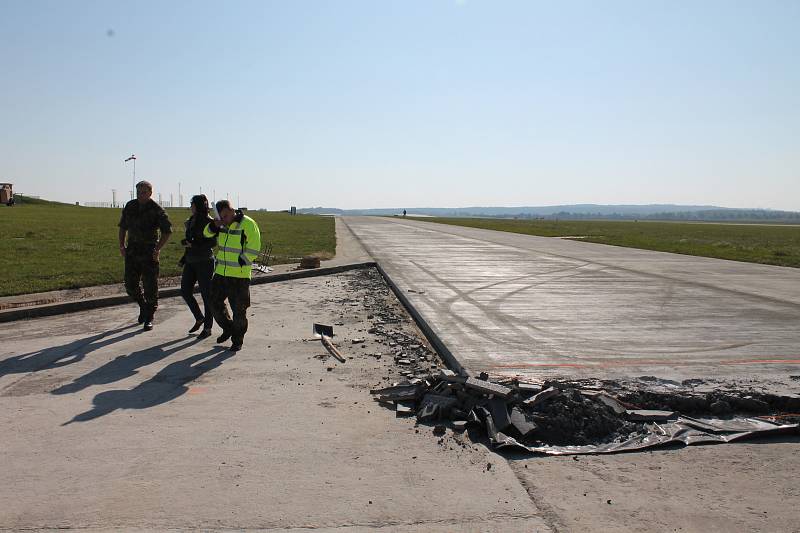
(237, 291)
(141, 279)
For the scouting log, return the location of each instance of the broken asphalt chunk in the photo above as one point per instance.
(608, 400)
(541, 396)
(521, 423)
(399, 393)
(435, 406)
(499, 411)
(487, 387)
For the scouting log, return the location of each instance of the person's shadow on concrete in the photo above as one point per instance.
(66, 354)
(126, 366)
(169, 384)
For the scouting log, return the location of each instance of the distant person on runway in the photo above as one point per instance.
(238, 245)
(142, 219)
(198, 265)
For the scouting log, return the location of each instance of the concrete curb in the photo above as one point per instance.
(423, 325)
(437, 343)
(22, 313)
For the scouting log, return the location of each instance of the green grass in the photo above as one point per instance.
(52, 246)
(771, 245)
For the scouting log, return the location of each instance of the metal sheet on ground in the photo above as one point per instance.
(544, 307)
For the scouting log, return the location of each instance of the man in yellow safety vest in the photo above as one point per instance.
(238, 245)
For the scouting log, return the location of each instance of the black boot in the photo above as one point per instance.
(222, 338)
(197, 325)
(148, 321)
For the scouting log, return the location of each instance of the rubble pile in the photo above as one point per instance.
(534, 415)
(559, 418)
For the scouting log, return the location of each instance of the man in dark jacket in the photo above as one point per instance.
(142, 219)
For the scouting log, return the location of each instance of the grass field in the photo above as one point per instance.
(55, 246)
(771, 245)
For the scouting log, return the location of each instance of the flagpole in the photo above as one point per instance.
(133, 178)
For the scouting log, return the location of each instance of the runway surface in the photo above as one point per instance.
(548, 307)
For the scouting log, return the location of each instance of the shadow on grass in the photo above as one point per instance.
(66, 354)
(125, 366)
(169, 384)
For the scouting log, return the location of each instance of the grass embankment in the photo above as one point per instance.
(56, 246)
(771, 245)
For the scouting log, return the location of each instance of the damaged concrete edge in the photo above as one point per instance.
(423, 325)
(434, 340)
(108, 301)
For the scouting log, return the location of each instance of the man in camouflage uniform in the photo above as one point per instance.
(141, 220)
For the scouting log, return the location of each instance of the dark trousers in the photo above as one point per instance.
(198, 272)
(237, 290)
(141, 279)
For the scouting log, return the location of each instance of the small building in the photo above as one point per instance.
(6, 192)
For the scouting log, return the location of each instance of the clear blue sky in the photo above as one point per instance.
(405, 103)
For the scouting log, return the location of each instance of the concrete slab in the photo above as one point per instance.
(543, 307)
(103, 427)
(704, 489)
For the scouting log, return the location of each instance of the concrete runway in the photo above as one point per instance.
(548, 307)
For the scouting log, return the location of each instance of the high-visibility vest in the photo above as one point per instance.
(241, 240)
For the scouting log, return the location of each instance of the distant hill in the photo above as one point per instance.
(583, 211)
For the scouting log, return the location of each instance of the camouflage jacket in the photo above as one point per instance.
(142, 222)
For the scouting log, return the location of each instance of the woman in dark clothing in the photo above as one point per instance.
(198, 265)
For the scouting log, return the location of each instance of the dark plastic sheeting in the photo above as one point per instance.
(684, 430)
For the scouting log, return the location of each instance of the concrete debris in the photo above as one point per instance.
(499, 411)
(392, 328)
(522, 422)
(435, 407)
(404, 409)
(539, 397)
(399, 393)
(612, 402)
(487, 387)
(565, 418)
(530, 388)
(561, 418)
